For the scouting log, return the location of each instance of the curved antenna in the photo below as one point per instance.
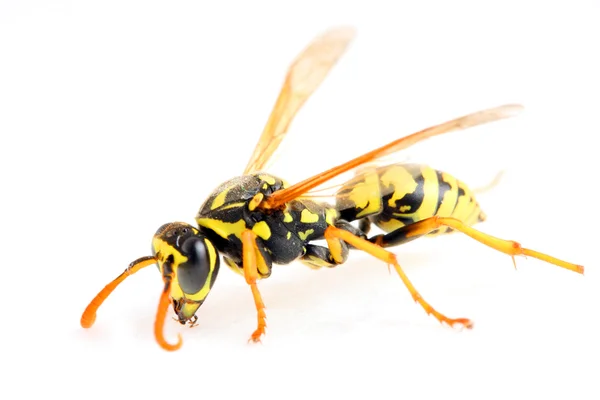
(161, 313)
(89, 315)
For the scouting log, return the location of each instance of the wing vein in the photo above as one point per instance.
(281, 197)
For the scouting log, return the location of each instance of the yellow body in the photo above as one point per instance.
(398, 195)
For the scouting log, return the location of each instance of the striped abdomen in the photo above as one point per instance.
(398, 195)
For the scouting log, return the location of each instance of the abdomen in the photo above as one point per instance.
(397, 195)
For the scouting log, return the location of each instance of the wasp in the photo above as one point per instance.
(258, 220)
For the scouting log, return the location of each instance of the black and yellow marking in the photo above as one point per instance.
(256, 220)
(399, 195)
(406, 201)
(282, 235)
(194, 263)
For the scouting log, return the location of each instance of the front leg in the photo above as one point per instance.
(253, 260)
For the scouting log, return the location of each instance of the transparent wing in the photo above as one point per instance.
(312, 186)
(304, 76)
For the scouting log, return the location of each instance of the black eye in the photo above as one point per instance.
(192, 274)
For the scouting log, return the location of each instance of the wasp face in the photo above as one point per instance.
(192, 260)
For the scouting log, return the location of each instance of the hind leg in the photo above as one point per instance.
(418, 229)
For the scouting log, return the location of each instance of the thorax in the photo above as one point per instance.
(231, 209)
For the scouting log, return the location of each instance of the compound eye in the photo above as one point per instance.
(193, 273)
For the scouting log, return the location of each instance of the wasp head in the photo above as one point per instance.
(191, 261)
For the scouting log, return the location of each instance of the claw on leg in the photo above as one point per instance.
(193, 321)
(261, 316)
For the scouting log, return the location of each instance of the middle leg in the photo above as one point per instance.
(335, 236)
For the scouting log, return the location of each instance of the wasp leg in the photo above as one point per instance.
(319, 256)
(335, 235)
(337, 253)
(418, 229)
(253, 261)
(193, 321)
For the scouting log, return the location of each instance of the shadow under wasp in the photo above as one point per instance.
(256, 220)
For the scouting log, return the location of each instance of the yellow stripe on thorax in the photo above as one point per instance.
(262, 230)
(269, 179)
(223, 229)
(331, 215)
(219, 199)
(308, 217)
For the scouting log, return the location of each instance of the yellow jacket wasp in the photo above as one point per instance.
(256, 220)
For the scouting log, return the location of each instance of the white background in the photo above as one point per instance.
(118, 116)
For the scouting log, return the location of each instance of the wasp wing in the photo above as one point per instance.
(304, 76)
(281, 197)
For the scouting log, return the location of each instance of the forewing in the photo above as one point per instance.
(281, 197)
(304, 76)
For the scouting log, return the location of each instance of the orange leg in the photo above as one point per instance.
(333, 235)
(89, 315)
(505, 246)
(251, 258)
